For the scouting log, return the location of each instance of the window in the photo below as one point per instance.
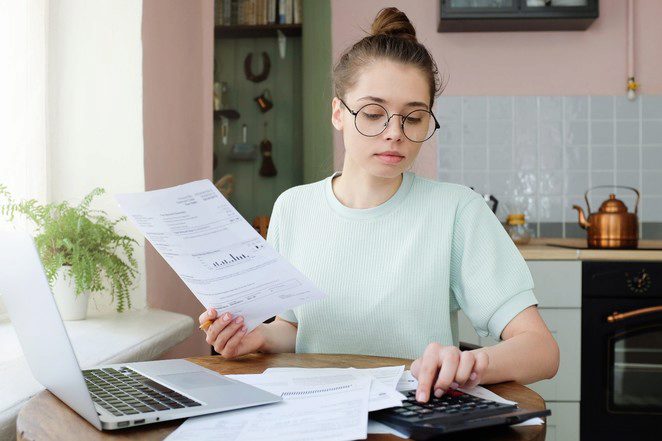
(23, 116)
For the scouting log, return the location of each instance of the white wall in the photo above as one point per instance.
(95, 108)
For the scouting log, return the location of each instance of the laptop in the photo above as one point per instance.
(113, 396)
(453, 412)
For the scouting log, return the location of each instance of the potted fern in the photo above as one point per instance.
(80, 249)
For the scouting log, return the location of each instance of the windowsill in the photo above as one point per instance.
(101, 339)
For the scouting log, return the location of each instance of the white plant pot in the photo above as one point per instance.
(71, 306)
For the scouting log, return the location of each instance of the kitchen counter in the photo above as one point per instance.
(543, 249)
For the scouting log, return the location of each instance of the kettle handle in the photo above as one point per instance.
(588, 206)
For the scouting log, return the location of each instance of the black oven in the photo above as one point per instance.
(621, 373)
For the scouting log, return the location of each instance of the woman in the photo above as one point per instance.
(398, 254)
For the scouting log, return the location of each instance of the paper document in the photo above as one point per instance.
(220, 257)
(377, 427)
(382, 390)
(323, 409)
(408, 382)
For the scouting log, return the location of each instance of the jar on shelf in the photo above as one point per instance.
(518, 229)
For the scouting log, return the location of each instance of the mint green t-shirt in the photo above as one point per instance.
(396, 274)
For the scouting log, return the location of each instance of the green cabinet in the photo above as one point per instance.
(299, 124)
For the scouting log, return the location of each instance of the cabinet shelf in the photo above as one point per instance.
(257, 31)
(515, 15)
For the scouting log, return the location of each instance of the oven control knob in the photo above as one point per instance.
(640, 283)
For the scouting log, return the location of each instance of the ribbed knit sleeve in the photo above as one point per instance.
(489, 277)
(273, 239)
(273, 232)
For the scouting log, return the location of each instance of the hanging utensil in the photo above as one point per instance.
(244, 150)
(268, 167)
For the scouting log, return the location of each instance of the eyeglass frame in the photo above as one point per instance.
(388, 120)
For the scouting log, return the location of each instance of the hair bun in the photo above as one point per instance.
(394, 22)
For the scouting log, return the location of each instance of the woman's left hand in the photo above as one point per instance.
(446, 367)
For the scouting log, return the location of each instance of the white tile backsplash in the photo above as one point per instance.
(551, 108)
(450, 132)
(627, 132)
(652, 182)
(500, 132)
(627, 157)
(626, 109)
(500, 158)
(474, 107)
(474, 132)
(500, 107)
(651, 157)
(602, 157)
(651, 132)
(526, 108)
(577, 158)
(576, 107)
(602, 178)
(449, 108)
(475, 158)
(543, 152)
(602, 132)
(551, 183)
(602, 107)
(576, 133)
(651, 106)
(652, 208)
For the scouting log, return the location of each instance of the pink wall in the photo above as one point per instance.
(178, 38)
(591, 62)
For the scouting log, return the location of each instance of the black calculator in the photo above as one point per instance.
(452, 412)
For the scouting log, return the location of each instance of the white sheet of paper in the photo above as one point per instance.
(377, 427)
(220, 257)
(382, 391)
(321, 410)
(408, 382)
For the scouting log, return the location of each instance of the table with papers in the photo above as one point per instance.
(46, 417)
(318, 403)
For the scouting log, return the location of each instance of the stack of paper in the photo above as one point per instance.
(325, 404)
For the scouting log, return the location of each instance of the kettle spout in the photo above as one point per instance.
(582, 220)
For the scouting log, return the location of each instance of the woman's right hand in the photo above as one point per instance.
(228, 335)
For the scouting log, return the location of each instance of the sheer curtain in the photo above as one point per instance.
(23, 102)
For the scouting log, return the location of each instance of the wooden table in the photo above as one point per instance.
(45, 417)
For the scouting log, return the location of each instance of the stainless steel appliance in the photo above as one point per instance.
(621, 374)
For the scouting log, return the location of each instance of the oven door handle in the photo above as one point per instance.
(616, 316)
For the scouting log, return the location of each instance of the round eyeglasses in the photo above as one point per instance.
(372, 119)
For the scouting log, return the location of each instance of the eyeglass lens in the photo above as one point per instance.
(372, 119)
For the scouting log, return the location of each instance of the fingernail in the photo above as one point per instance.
(473, 376)
(438, 393)
(421, 396)
(239, 320)
(226, 317)
(243, 328)
(454, 385)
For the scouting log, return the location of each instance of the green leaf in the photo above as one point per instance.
(100, 258)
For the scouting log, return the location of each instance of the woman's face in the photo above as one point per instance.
(400, 89)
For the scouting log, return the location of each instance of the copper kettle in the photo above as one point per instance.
(612, 226)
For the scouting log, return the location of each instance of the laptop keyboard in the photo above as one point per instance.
(451, 403)
(125, 392)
